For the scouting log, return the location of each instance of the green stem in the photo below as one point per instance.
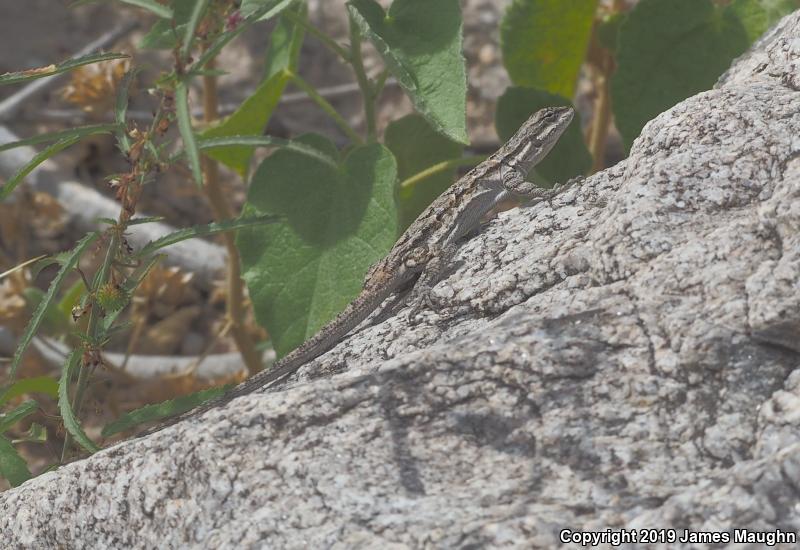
(325, 106)
(223, 211)
(104, 272)
(363, 81)
(441, 167)
(380, 83)
(91, 332)
(326, 40)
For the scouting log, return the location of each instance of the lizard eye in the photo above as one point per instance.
(417, 257)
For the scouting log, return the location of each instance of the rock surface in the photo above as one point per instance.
(626, 357)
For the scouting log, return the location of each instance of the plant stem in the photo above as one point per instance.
(223, 211)
(602, 66)
(599, 131)
(91, 333)
(380, 84)
(325, 106)
(102, 276)
(326, 40)
(441, 167)
(363, 81)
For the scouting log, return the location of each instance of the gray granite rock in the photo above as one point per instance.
(626, 357)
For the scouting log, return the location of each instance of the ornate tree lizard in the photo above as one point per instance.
(428, 245)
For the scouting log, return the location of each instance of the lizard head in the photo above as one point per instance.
(547, 121)
(537, 136)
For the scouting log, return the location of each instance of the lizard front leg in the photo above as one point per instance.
(513, 180)
(441, 255)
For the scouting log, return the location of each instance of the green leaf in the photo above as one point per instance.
(752, 15)
(39, 158)
(185, 128)
(67, 414)
(35, 434)
(266, 141)
(70, 261)
(152, 6)
(167, 33)
(544, 42)
(203, 231)
(121, 110)
(39, 265)
(38, 384)
(264, 9)
(253, 114)
(776, 9)
(198, 9)
(133, 281)
(12, 466)
(19, 413)
(158, 411)
(285, 41)
(161, 36)
(183, 11)
(338, 221)
(757, 16)
(137, 276)
(209, 72)
(420, 41)
(64, 66)
(143, 220)
(55, 321)
(569, 157)
(417, 146)
(249, 119)
(79, 132)
(667, 52)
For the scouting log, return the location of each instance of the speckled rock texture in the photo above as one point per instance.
(625, 357)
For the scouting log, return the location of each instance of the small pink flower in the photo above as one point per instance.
(234, 20)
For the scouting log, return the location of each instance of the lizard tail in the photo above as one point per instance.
(328, 336)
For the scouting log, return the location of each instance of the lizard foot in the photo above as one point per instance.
(426, 301)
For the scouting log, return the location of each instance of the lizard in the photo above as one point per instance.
(426, 248)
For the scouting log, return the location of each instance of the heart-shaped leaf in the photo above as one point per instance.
(12, 466)
(417, 146)
(668, 51)
(253, 114)
(544, 42)
(303, 271)
(420, 41)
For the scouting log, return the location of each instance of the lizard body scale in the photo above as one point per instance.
(426, 247)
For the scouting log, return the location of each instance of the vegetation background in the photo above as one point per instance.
(341, 123)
